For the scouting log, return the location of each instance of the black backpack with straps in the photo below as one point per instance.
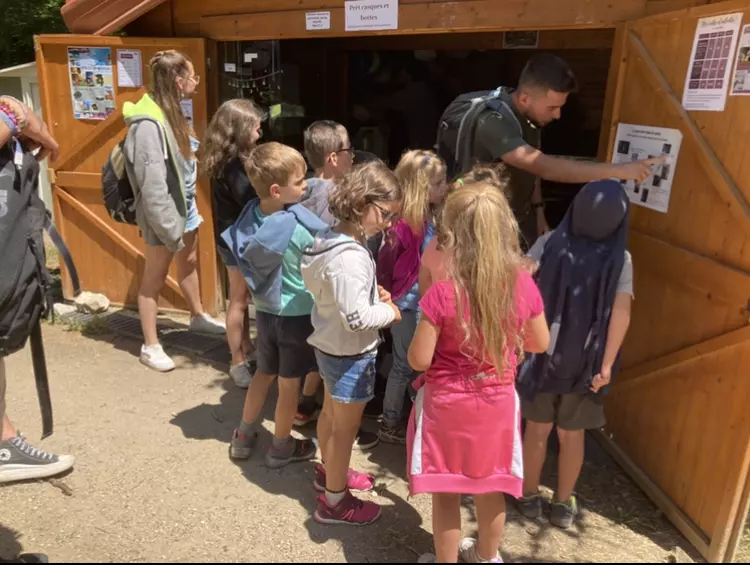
(25, 282)
(457, 127)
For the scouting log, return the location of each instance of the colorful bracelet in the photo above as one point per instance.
(20, 120)
(8, 118)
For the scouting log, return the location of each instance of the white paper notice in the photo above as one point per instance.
(741, 80)
(316, 21)
(129, 70)
(635, 143)
(187, 110)
(230, 68)
(368, 15)
(711, 63)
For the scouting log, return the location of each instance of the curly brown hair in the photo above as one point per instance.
(365, 184)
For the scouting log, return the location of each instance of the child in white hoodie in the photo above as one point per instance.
(350, 310)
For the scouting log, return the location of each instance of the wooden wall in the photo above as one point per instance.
(274, 19)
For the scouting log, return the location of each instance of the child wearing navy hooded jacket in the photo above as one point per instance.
(586, 279)
(268, 240)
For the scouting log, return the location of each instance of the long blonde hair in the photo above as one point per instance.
(480, 236)
(415, 171)
(230, 135)
(165, 67)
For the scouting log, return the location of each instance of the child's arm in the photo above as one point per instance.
(619, 322)
(352, 294)
(536, 334)
(425, 280)
(423, 345)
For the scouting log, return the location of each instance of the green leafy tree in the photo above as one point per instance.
(21, 20)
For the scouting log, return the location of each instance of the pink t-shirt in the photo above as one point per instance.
(434, 261)
(449, 362)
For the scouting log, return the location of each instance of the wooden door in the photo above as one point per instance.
(679, 413)
(109, 255)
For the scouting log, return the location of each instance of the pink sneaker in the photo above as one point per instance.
(350, 510)
(356, 481)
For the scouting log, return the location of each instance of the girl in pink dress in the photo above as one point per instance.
(464, 432)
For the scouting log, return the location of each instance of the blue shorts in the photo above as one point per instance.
(349, 380)
(193, 219)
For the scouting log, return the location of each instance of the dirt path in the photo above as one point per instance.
(153, 481)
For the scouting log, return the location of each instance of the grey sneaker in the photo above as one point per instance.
(205, 324)
(392, 434)
(467, 551)
(562, 514)
(241, 375)
(242, 446)
(294, 451)
(531, 506)
(20, 461)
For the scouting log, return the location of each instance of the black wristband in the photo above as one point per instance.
(537, 205)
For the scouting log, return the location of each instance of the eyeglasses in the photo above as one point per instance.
(388, 216)
(349, 150)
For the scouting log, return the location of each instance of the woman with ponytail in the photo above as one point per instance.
(161, 165)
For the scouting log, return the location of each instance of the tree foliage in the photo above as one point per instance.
(21, 21)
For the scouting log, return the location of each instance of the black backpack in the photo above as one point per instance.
(25, 282)
(117, 191)
(455, 135)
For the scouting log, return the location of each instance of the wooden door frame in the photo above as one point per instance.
(207, 263)
(722, 543)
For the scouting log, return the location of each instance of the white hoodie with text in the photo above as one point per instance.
(348, 315)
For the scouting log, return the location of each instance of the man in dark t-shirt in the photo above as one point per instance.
(513, 136)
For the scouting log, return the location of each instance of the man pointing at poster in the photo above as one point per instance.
(509, 130)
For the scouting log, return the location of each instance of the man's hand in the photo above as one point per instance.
(602, 379)
(383, 294)
(638, 171)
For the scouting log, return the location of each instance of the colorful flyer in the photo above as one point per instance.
(91, 85)
(710, 65)
(741, 81)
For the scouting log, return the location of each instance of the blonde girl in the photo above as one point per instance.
(230, 138)
(350, 310)
(423, 177)
(464, 430)
(160, 161)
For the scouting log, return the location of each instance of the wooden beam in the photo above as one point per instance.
(95, 220)
(89, 181)
(552, 40)
(673, 512)
(700, 10)
(727, 189)
(432, 17)
(738, 528)
(644, 372)
(613, 96)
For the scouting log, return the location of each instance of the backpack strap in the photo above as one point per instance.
(41, 378)
(67, 258)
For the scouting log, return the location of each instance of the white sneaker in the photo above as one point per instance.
(241, 375)
(205, 324)
(467, 551)
(153, 356)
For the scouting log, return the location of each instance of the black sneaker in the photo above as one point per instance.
(374, 409)
(19, 461)
(27, 558)
(392, 434)
(562, 514)
(365, 440)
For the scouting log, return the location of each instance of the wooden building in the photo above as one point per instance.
(678, 413)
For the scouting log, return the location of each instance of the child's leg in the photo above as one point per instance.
(239, 296)
(446, 526)
(399, 378)
(534, 454)
(245, 435)
(312, 384)
(570, 461)
(491, 519)
(344, 428)
(307, 410)
(286, 407)
(325, 424)
(296, 358)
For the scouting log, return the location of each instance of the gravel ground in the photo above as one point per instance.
(153, 481)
